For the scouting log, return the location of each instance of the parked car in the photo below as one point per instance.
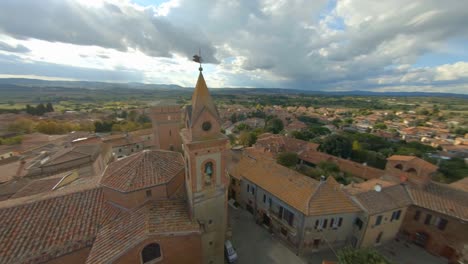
(229, 252)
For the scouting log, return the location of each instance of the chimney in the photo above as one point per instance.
(323, 178)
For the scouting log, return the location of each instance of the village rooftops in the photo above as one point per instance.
(287, 185)
(384, 199)
(165, 217)
(329, 198)
(40, 231)
(142, 170)
(299, 191)
(441, 198)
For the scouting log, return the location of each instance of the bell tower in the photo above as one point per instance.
(204, 148)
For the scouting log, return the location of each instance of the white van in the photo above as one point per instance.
(229, 252)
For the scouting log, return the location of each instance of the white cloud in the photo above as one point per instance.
(357, 44)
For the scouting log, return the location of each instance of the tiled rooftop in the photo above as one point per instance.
(389, 198)
(142, 170)
(441, 198)
(40, 231)
(329, 198)
(288, 185)
(155, 217)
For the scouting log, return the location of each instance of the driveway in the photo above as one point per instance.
(254, 244)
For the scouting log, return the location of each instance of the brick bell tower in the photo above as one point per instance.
(204, 148)
(166, 121)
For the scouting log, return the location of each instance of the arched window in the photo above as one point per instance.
(399, 166)
(208, 172)
(151, 253)
(411, 170)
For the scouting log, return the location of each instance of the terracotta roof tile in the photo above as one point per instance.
(144, 169)
(329, 198)
(36, 187)
(155, 217)
(401, 157)
(287, 185)
(441, 198)
(40, 231)
(389, 198)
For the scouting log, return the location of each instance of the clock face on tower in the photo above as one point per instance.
(206, 126)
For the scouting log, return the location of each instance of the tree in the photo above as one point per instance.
(287, 159)
(329, 166)
(233, 118)
(22, 125)
(380, 126)
(337, 145)
(247, 138)
(274, 125)
(363, 255)
(242, 127)
(49, 107)
(132, 116)
(41, 109)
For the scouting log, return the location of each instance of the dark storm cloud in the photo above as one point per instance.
(114, 27)
(356, 44)
(16, 49)
(13, 65)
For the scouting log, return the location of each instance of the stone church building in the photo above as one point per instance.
(167, 205)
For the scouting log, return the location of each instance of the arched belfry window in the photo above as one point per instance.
(208, 172)
(150, 253)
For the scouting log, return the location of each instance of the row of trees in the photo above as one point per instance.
(40, 109)
(50, 127)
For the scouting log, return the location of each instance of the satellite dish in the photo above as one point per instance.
(378, 188)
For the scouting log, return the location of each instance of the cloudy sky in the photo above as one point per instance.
(387, 45)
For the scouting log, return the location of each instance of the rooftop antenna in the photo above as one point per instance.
(198, 58)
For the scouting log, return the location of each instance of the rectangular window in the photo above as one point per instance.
(417, 215)
(264, 199)
(378, 221)
(332, 222)
(395, 215)
(325, 223)
(359, 223)
(340, 221)
(148, 193)
(253, 190)
(280, 212)
(316, 224)
(442, 224)
(248, 188)
(288, 216)
(427, 221)
(398, 215)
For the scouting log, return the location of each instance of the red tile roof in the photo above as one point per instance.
(155, 217)
(43, 230)
(143, 170)
(441, 198)
(389, 198)
(329, 198)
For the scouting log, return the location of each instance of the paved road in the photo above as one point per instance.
(255, 244)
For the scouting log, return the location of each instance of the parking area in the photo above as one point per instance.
(255, 244)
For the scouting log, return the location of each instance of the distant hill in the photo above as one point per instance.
(14, 84)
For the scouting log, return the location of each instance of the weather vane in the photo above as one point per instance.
(198, 58)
